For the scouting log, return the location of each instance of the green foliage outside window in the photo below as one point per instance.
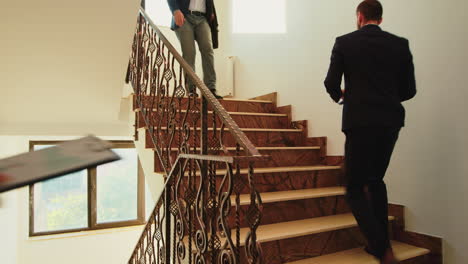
(62, 204)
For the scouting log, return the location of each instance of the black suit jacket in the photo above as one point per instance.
(183, 5)
(379, 74)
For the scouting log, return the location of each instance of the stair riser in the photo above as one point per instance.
(287, 158)
(266, 139)
(270, 182)
(230, 106)
(243, 121)
(296, 210)
(281, 158)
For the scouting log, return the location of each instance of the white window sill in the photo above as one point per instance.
(87, 233)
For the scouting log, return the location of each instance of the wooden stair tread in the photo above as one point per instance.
(258, 114)
(247, 100)
(236, 100)
(272, 197)
(290, 148)
(294, 130)
(278, 169)
(272, 148)
(298, 228)
(359, 256)
(292, 169)
(236, 113)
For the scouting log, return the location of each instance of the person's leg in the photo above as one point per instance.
(205, 45)
(385, 143)
(186, 36)
(359, 153)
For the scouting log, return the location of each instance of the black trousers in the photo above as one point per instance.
(367, 155)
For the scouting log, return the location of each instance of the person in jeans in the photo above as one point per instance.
(195, 20)
(379, 74)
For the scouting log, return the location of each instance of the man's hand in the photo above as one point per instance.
(179, 18)
(341, 101)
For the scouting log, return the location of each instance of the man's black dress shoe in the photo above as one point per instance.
(193, 94)
(216, 95)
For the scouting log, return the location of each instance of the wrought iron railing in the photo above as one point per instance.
(198, 217)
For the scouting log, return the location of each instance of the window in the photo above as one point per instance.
(248, 17)
(159, 12)
(106, 196)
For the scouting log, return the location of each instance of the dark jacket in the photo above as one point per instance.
(183, 5)
(379, 74)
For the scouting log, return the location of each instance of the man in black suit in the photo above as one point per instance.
(195, 20)
(379, 74)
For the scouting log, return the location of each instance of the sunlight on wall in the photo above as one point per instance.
(259, 16)
(159, 12)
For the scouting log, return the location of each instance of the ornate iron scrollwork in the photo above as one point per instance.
(197, 218)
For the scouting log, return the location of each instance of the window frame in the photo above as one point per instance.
(92, 196)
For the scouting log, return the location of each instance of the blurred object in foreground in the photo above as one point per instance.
(68, 157)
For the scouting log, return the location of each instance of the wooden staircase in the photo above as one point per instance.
(305, 217)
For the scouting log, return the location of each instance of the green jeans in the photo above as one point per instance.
(196, 28)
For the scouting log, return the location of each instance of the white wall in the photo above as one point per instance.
(63, 65)
(8, 227)
(9, 211)
(428, 172)
(104, 246)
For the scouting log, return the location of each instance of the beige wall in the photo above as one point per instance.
(428, 173)
(63, 65)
